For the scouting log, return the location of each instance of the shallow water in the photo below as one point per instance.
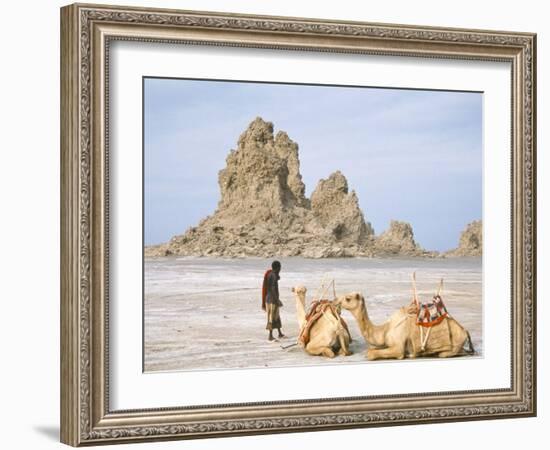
(205, 313)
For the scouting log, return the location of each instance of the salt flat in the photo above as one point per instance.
(205, 313)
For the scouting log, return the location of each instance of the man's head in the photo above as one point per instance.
(276, 266)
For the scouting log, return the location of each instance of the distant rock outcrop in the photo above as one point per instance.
(337, 210)
(263, 210)
(398, 240)
(470, 242)
(262, 176)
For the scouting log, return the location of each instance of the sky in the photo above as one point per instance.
(411, 155)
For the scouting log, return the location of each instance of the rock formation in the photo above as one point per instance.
(470, 242)
(263, 210)
(398, 240)
(337, 210)
(262, 176)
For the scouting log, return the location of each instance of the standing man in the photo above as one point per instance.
(270, 299)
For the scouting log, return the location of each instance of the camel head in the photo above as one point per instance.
(351, 301)
(300, 292)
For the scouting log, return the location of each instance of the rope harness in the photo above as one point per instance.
(429, 314)
(322, 307)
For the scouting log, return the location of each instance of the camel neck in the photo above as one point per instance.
(365, 325)
(300, 311)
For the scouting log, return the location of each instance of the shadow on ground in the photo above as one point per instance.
(51, 432)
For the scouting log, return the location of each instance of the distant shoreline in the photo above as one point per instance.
(343, 258)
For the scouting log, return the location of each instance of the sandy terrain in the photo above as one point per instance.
(203, 313)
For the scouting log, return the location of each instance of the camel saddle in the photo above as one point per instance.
(432, 313)
(316, 310)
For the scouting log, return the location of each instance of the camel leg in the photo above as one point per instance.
(318, 350)
(395, 352)
(457, 350)
(344, 344)
(447, 354)
(457, 333)
(344, 352)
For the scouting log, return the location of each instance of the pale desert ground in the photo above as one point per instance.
(205, 313)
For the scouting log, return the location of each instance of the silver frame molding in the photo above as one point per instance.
(86, 33)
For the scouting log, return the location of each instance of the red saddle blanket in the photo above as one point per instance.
(316, 310)
(432, 313)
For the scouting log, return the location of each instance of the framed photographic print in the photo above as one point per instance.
(276, 224)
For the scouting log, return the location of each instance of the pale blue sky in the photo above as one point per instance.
(410, 155)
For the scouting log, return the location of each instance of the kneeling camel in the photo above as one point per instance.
(400, 336)
(327, 336)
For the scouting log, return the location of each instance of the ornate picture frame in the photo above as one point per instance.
(87, 31)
